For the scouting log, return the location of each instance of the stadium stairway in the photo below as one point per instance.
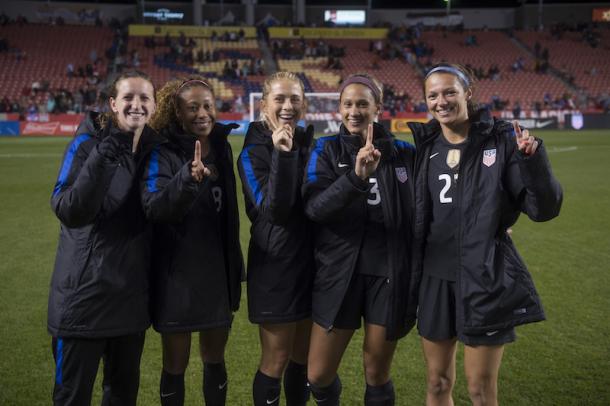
(552, 69)
(270, 65)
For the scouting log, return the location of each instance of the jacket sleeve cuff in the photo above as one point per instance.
(534, 168)
(187, 181)
(360, 184)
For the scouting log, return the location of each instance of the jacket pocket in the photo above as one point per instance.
(502, 298)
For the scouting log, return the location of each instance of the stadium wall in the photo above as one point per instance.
(36, 11)
(556, 13)
(524, 17)
(324, 123)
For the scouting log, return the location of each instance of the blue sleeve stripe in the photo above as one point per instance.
(153, 171)
(65, 168)
(313, 160)
(59, 358)
(250, 177)
(404, 144)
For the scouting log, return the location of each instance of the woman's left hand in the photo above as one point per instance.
(526, 143)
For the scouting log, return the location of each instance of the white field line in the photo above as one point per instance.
(562, 149)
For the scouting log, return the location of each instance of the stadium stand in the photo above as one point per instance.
(233, 68)
(495, 48)
(37, 60)
(581, 61)
(519, 70)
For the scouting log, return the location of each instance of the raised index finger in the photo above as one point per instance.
(369, 135)
(517, 130)
(197, 151)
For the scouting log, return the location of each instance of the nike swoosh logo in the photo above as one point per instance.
(490, 333)
(270, 402)
(340, 165)
(165, 395)
(433, 155)
(221, 387)
(542, 124)
(319, 400)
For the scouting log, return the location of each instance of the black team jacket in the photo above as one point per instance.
(187, 295)
(280, 258)
(494, 290)
(335, 200)
(99, 286)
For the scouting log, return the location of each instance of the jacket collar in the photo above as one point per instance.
(481, 125)
(259, 133)
(379, 133)
(382, 139)
(186, 142)
(90, 124)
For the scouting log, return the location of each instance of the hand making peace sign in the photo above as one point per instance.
(526, 143)
(368, 156)
(198, 170)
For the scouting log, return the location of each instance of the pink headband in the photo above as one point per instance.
(363, 80)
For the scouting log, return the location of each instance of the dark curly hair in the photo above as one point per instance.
(167, 104)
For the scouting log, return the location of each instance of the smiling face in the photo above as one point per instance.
(284, 104)
(196, 110)
(446, 98)
(134, 103)
(358, 108)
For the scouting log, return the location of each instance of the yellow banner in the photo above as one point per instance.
(345, 33)
(138, 30)
(399, 125)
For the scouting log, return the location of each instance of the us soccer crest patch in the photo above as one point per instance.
(401, 174)
(489, 157)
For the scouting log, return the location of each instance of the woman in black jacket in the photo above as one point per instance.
(189, 193)
(359, 194)
(475, 175)
(98, 300)
(280, 258)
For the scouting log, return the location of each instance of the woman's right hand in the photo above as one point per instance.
(368, 157)
(198, 169)
(282, 138)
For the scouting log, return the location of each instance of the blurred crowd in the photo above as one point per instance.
(403, 43)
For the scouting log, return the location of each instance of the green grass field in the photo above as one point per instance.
(563, 361)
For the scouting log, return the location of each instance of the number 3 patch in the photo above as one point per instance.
(489, 157)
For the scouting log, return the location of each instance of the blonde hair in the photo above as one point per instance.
(112, 90)
(167, 104)
(281, 75)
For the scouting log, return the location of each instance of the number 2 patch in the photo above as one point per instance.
(489, 157)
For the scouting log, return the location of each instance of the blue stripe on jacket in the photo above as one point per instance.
(153, 171)
(313, 160)
(65, 167)
(404, 144)
(250, 177)
(59, 354)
